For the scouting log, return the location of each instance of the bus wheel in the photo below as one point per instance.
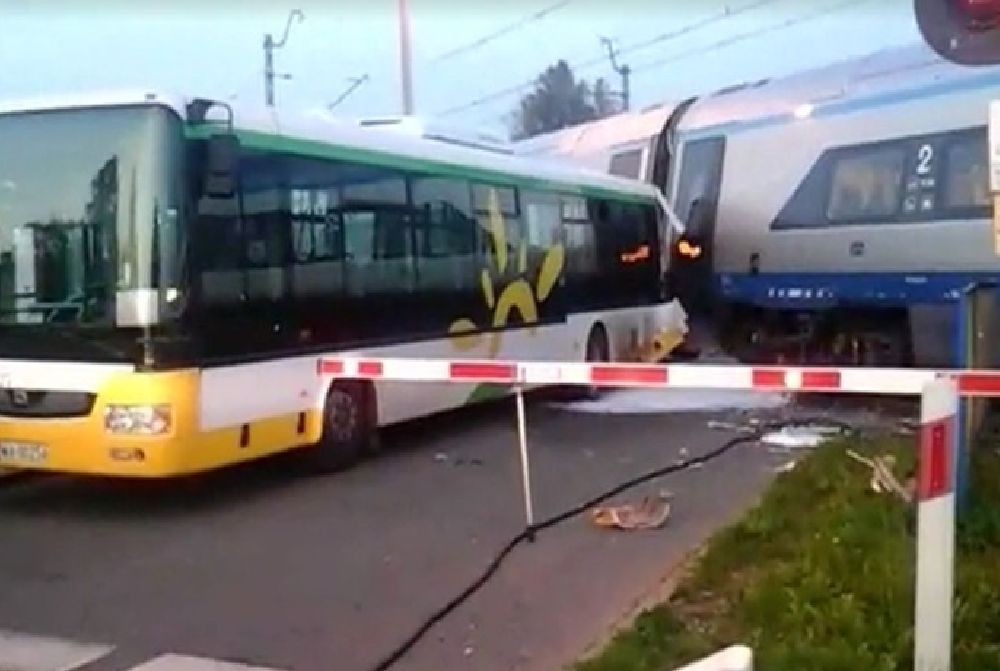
(347, 428)
(598, 351)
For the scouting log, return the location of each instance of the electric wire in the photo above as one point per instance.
(530, 532)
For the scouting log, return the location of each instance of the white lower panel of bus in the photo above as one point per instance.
(57, 375)
(245, 393)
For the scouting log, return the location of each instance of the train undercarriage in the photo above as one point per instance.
(835, 337)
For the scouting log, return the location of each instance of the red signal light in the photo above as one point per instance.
(980, 11)
(979, 14)
(965, 32)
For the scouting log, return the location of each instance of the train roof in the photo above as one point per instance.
(601, 134)
(322, 133)
(882, 77)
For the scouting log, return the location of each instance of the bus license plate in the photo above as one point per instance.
(30, 453)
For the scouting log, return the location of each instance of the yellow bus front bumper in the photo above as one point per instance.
(84, 445)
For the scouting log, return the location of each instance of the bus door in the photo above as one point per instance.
(697, 205)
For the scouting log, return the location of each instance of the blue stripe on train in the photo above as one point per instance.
(827, 290)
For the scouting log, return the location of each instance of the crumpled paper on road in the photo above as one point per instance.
(650, 513)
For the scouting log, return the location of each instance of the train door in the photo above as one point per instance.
(697, 202)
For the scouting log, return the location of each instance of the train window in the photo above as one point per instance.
(866, 184)
(700, 178)
(967, 180)
(627, 164)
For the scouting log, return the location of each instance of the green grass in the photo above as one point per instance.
(820, 575)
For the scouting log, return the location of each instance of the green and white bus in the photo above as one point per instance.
(171, 270)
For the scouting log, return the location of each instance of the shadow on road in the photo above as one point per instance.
(117, 498)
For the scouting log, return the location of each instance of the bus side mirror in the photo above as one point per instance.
(221, 166)
(966, 32)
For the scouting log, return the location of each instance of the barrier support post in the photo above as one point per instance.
(522, 439)
(936, 525)
(967, 357)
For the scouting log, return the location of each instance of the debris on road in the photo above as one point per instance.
(651, 513)
(786, 467)
(800, 437)
(719, 425)
(883, 479)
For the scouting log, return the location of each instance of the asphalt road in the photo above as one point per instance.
(260, 565)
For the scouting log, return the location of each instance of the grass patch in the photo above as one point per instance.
(820, 575)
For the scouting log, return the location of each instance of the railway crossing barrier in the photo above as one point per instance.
(938, 456)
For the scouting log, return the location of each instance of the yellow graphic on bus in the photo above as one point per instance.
(516, 295)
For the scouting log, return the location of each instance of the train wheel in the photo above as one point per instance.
(347, 428)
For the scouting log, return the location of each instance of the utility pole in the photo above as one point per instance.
(624, 71)
(405, 66)
(269, 46)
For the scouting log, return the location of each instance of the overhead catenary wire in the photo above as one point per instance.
(726, 13)
(694, 26)
(516, 88)
(531, 532)
(497, 34)
(750, 34)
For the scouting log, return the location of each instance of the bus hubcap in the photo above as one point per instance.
(342, 415)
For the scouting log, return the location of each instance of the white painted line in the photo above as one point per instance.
(27, 652)
(184, 663)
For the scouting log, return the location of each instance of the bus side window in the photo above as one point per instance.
(217, 242)
(380, 263)
(582, 266)
(447, 266)
(489, 202)
(543, 222)
(266, 226)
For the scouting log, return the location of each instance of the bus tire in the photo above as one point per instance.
(348, 430)
(598, 351)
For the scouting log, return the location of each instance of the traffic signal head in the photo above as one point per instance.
(966, 32)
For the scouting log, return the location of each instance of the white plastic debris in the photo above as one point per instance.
(799, 437)
(786, 467)
(651, 401)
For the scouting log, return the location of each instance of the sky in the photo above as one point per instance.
(675, 48)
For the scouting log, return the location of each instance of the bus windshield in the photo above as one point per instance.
(89, 230)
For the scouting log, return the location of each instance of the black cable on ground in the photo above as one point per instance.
(529, 533)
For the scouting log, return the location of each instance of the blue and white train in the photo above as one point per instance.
(834, 215)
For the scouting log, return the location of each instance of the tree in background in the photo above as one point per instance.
(560, 100)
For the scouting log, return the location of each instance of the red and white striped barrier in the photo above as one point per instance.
(890, 381)
(939, 390)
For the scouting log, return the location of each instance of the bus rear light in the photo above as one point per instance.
(685, 248)
(144, 420)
